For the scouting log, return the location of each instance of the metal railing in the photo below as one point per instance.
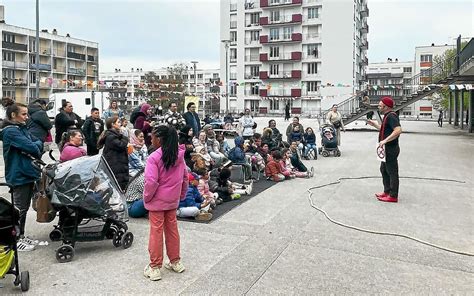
(466, 54)
(252, 58)
(282, 74)
(316, 55)
(313, 36)
(278, 92)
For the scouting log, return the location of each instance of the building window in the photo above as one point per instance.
(233, 54)
(313, 12)
(8, 73)
(233, 90)
(185, 76)
(287, 32)
(426, 58)
(255, 35)
(254, 71)
(255, 18)
(9, 94)
(274, 69)
(312, 86)
(406, 69)
(200, 76)
(32, 77)
(274, 34)
(383, 81)
(215, 75)
(8, 38)
(274, 51)
(254, 88)
(373, 81)
(8, 56)
(275, 16)
(275, 105)
(313, 68)
(312, 50)
(233, 36)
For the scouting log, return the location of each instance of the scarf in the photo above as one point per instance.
(382, 127)
(135, 141)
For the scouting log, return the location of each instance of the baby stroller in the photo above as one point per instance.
(90, 203)
(9, 235)
(328, 141)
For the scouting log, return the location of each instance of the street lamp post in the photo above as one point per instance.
(37, 50)
(195, 77)
(226, 44)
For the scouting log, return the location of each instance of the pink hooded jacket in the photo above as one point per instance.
(71, 152)
(164, 188)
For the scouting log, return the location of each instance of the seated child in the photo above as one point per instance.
(134, 195)
(286, 171)
(286, 165)
(203, 187)
(273, 168)
(220, 183)
(296, 160)
(237, 156)
(256, 160)
(224, 146)
(202, 151)
(194, 205)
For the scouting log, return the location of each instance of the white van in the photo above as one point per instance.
(82, 102)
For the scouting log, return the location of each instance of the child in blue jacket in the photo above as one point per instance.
(237, 156)
(194, 205)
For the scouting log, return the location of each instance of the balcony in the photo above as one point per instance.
(365, 28)
(15, 65)
(287, 56)
(251, 76)
(45, 51)
(283, 20)
(41, 67)
(277, 3)
(279, 92)
(295, 37)
(15, 82)
(14, 46)
(59, 69)
(233, 59)
(313, 36)
(293, 74)
(91, 58)
(251, 4)
(252, 58)
(315, 55)
(251, 42)
(312, 2)
(77, 56)
(75, 71)
(59, 52)
(364, 11)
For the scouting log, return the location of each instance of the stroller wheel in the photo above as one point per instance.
(325, 153)
(56, 235)
(25, 281)
(127, 240)
(117, 239)
(338, 153)
(65, 253)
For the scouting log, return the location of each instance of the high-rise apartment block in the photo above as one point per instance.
(65, 63)
(305, 53)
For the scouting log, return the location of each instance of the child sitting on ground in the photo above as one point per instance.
(202, 151)
(273, 168)
(285, 170)
(237, 156)
(227, 190)
(296, 160)
(287, 166)
(203, 187)
(224, 146)
(194, 205)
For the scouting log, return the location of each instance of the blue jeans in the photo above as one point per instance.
(308, 148)
(137, 209)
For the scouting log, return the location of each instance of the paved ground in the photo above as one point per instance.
(277, 244)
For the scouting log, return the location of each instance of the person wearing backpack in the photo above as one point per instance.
(38, 122)
(92, 128)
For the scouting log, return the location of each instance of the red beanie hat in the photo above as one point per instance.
(192, 177)
(387, 102)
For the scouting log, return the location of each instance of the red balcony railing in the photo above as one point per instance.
(263, 57)
(296, 74)
(263, 92)
(263, 39)
(296, 92)
(263, 75)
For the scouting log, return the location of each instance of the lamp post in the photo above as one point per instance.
(37, 50)
(195, 77)
(226, 44)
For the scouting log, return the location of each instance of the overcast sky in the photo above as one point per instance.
(155, 33)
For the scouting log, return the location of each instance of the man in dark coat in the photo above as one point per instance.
(92, 128)
(38, 122)
(66, 120)
(192, 118)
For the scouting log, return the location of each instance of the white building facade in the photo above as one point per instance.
(65, 63)
(309, 54)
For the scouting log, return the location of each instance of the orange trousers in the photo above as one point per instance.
(163, 221)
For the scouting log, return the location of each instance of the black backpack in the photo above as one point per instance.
(134, 115)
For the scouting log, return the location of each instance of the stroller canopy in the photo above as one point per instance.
(89, 184)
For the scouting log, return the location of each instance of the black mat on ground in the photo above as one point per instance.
(258, 187)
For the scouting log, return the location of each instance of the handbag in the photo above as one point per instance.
(337, 124)
(45, 212)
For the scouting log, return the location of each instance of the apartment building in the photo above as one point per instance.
(65, 63)
(306, 53)
(206, 82)
(390, 78)
(424, 59)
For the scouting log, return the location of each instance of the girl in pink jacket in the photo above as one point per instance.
(166, 183)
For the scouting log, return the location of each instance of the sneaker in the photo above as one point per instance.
(235, 196)
(249, 188)
(23, 246)
(387, 198)
(31, 241)
(203, 216)
(153, 274)
(176, 267)
(381, 194)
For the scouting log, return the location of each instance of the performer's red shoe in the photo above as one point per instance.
(387, 198)
(381, 194)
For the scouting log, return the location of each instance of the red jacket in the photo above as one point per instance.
(272, 168)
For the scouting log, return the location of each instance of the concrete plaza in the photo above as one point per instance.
(277, 244)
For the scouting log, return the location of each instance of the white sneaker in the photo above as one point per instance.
(23, 246)
(176, 267)
(249, 188)
(31, 241)
(153, 274)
